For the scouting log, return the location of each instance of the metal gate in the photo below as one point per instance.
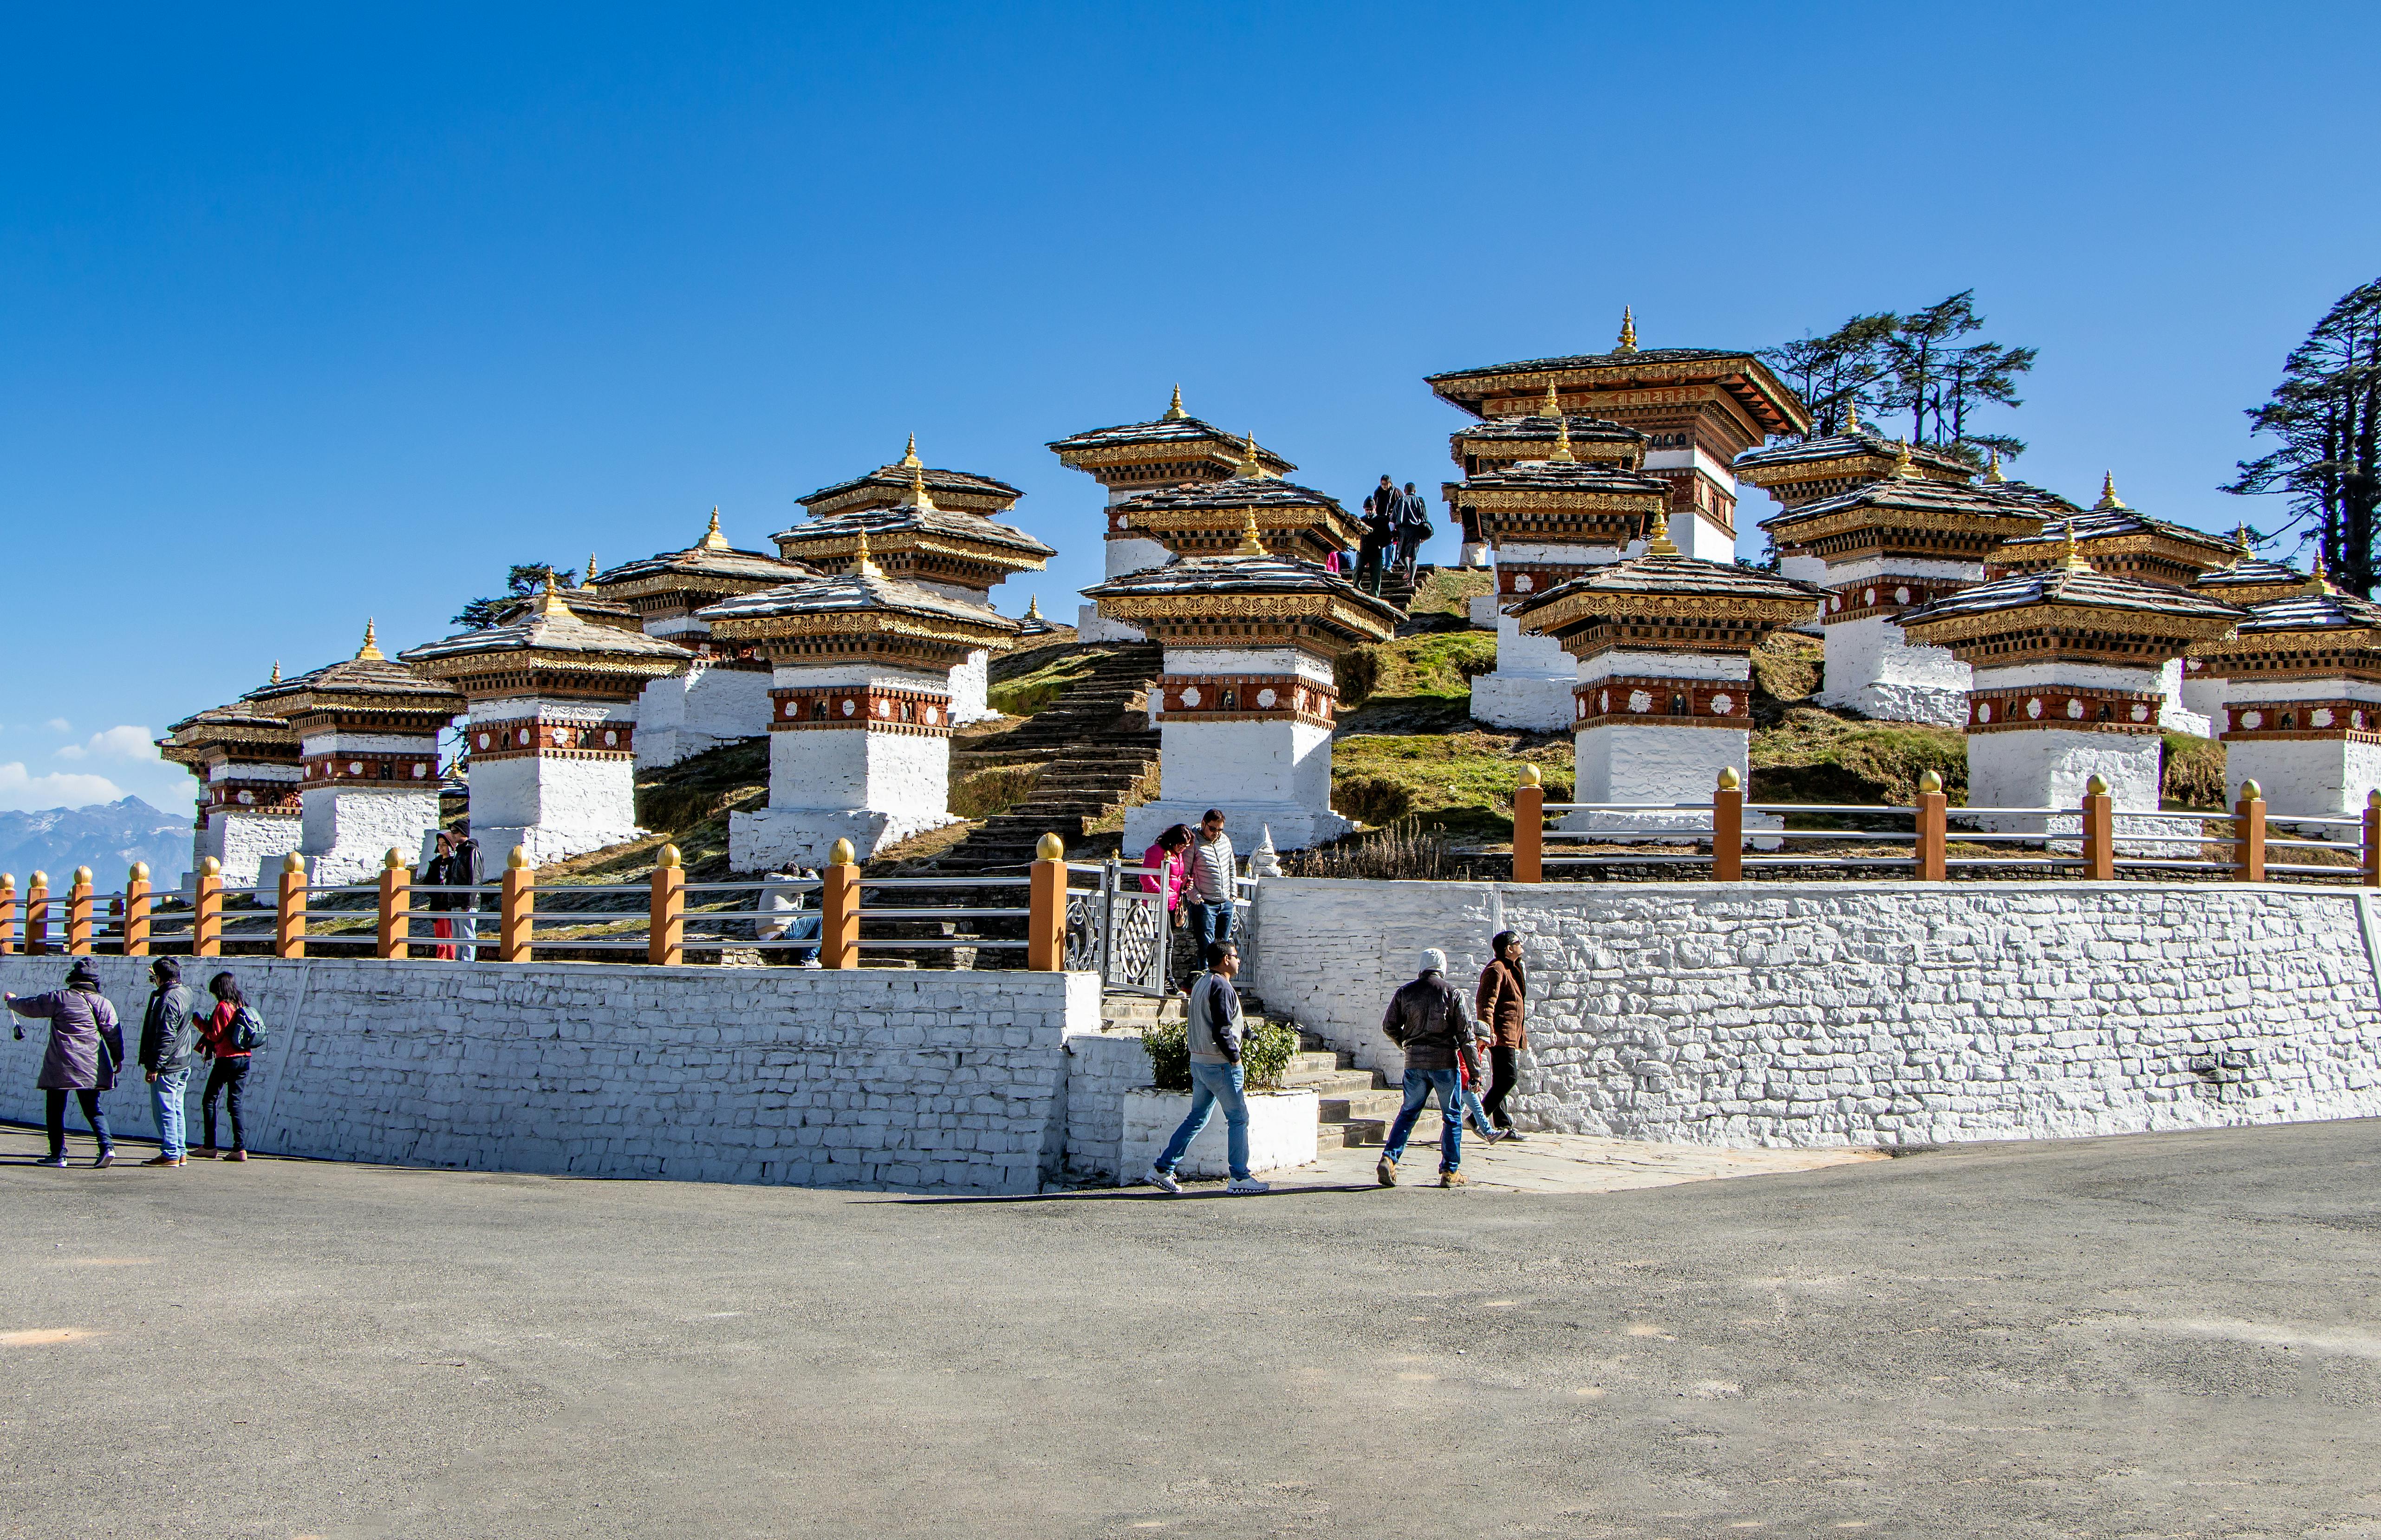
(1117, 930)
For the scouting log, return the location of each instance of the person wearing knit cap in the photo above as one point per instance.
(1432, 1021)
(86, 1046)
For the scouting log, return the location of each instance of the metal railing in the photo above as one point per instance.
(1730, 839)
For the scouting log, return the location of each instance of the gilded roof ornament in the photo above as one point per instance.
(1034, 608)
(1251, 469)
(711, 539)
(2240, 549)
(369, 652)
(1993, 469)
(277, 671)
(909, 460)
(2071, 559)
(1657, 542)
(2319, 580)
(1563, 454)
(1554, 403)
(589, 580)
(917, 496)
(1627, 342)
(2109, 502)
(1174, 412)
(863, 561)
(549, 598)
(1851, 414)
(1902, 468)
(1251, 546)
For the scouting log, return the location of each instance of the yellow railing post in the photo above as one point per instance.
(137, 901)
(521, 894)
(1045, 931)
(839, 908)
(1530, 826)
(1727, 827)
(1934, 827)
(665, 936)
(79, 904)
(289, 917)
(206, 909)
(7, 913)
(2099, 832)
(2249, 834)
(37, 916)
(395, 904)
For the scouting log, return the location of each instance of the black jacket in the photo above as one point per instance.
(168, 1031)
(1430, 1019)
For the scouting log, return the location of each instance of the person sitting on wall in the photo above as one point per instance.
(1429, 1019)
(1212, 1023)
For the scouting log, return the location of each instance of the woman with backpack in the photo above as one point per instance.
(231, 1033)
(86, 1046)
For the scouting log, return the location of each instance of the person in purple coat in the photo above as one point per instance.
(86, 1046)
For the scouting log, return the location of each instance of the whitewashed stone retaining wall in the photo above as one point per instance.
(1850, 1013)
(872, 1079)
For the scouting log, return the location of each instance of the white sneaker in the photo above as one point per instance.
(1248, 1186)
(1162, 1180)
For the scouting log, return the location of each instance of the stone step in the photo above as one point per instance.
(1332, 1083)
(1354, 1105)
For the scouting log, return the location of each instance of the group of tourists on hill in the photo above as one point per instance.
(178, 1027)
(1395, 523)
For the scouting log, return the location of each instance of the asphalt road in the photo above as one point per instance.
(2167, 1335)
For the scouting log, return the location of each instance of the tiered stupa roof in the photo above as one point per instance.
(586, 602)
(1617, 386)
(899, 513)
(1664, 600)
(1802, 472)
(1909, 513)
(1245, 597)
(1502, 440)
(1177, 447)
(2119, 541)
(1206, 518)
(369, 685)
(2249, 578)
(674, 583)
(861, 610)
(239, 729)
(2067, 610)
(548, 646)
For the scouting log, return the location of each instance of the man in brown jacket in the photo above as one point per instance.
(1503, 991)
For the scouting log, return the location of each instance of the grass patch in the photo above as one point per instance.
(1819, 756)
(1450, 590)
(1462, 781)
(2192, 775)
(981, 793)
(1038, 689)
(1787, 669)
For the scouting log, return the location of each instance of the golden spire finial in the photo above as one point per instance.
(1034, 608)
(1563, 454)
(1627, 331)
(711, 539)
(589, 580)
(369, 652)
(1993, 469)
(909, 460)
(1251, 469)
(1658, 537)
(918, 497)
(1250, 545)
(1174, 412)
(2318, 580)
(1852, 415)
(1554, 403)
(2071, 559)
(863, 561)
(2240, 549)
(2109, 502)
(549, 599)
(277, 671)
(1902, 468)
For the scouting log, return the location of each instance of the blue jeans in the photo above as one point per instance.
(1475, 1112)
(1209, 923)
(165, 1094)
(1211, 1083)
(1420, 1083)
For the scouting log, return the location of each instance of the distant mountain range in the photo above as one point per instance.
(107, 837)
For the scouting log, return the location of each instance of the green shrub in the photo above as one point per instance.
(1404, 853)
(2192, 775)
(1372, 799)
(1266, 1051)
(984, 793)
(1026, 697)
(1356, 673)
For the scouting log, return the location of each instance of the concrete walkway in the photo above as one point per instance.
(1569, 1163)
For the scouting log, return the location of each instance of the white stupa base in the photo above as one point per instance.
(1475, 553)
(1092, 625)
(1649, 826)
(970, 689)
(250, 846)
(1295, 826)
(1881, 702)
(780, 838)
(1483, 610)
(699, 710)
(2319, 778)
(546, 844)
(347, 833)
(1523, 701)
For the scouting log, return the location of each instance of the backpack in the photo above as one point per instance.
(248, 1029)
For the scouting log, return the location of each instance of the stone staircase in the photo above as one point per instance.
(1353, 1108)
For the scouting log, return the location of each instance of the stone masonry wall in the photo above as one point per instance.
(1856, 1014)
(870, 1079)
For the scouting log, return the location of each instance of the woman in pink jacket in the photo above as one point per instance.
(1165, 871)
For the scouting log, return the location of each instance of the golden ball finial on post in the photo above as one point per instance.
(140, 870)
(2372, 799)
(210, 867)
(394, 860)
(1728, 779)
(9, 879)
(841, 853)
(1930, 783)
(518, 860)
(670, 856)
(2097, 786)
(293, 863)
(82, 876)
(40, 879)
(2251, 792)
(1530, 774)
(1050, 848)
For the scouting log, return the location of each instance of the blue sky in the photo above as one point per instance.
(309, 314)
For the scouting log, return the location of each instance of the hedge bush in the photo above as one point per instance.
(1266, 1050)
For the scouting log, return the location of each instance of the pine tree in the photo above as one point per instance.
(519, 581)
(1835, 372)
(2326, 411)
(1915, 364)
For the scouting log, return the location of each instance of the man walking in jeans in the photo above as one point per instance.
(1430, 1021)
(1214, 1012)
(1212, 889)
(168, 1036)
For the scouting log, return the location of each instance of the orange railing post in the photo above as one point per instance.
(1727, 827)
(206, 909)
(1530, 826)
(839, 908)
(1045, 931)
(2099, 832)
(37, 916)
(666, 937)
(7, 913)
(137, 901)
(395, 904)
(289, 915)
(521, 894)
(2372, 843)
(2249, 834)
(79, 904)
(1933, 828)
